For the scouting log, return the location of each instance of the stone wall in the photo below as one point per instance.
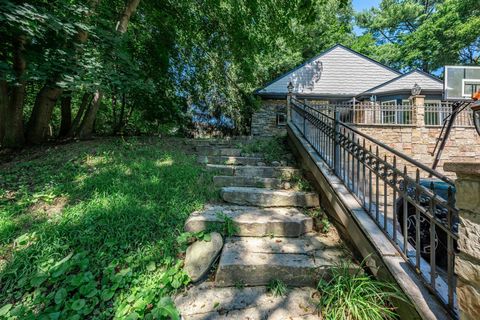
(264, 120)
(419, 142)
(415, 140)
(467, 261)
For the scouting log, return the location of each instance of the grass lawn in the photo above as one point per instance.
(88, 229)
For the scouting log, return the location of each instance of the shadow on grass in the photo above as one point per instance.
(127, 202)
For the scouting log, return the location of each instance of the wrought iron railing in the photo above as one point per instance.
(393, 114)
(437, 114)
(369, 114)
(416, 213)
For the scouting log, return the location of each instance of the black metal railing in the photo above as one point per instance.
(416, 213)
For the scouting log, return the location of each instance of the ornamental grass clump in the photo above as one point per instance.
(354, 295)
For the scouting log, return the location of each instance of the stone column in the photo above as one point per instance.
(418, 103)
(467, 262)
(290, 95)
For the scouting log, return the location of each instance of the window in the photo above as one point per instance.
(281, 119)
(388, 111)
(470, 86)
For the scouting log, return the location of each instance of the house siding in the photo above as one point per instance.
(344, 73)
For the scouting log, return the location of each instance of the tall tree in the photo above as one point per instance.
(86, 127)
(425, 34)
(51, 91)
(13, 137)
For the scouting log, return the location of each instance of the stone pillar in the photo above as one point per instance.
(467, 262)
(418, 103)
(290, 95)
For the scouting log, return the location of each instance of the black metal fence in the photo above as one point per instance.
(417, 213)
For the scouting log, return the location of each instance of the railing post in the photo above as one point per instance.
(336, 143)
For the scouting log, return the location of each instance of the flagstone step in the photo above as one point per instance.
(295, 261)
(241, 181)
(232, 160)
(209, 302)
(232, 141)
(269, 198)
(253, 221)
(284, 173)
(218, 151)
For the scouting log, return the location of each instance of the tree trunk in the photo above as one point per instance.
(122, 23)
(86, 100)
(3, 107)
(49, 94)
(42, 113)
(86, 128)
(66, 111)
(13, 137)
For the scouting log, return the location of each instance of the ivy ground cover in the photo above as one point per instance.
(88, 229)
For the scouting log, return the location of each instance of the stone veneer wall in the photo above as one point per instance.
(462, 145)
(467, 261)
(264, 120)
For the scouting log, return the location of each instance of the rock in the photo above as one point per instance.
(239, 181)
(252, 221)
(201, 255)
(275, 163)
(287, 186)
(295, 261)
(206, 301)
(261, 164)
(283, 163)
(269, 198)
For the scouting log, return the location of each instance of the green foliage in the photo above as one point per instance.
(352, 294)
(187, 238)
(321, 219)
(300, 183)
(88, 230)
(424, 34)
(272, 149)
(228, 227)
(277, 288)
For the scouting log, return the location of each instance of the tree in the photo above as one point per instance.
(86, 127)
(424, 34)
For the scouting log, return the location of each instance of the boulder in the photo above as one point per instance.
(201, 255)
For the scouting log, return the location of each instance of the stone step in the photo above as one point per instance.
(230, 160)
(295, 261)
(218, 151)
(269, 198)
(284, 173)
(231, 141)
(206, 301)
(240, 181)
(252, 221)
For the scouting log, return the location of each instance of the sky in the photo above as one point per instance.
(360, 5)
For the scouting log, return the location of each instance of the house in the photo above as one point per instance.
(340, 75)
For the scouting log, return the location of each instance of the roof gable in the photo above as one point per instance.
(338, 71)
(406, 82)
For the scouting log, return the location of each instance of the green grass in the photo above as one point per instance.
(89, 229)
(277, 288)
(355, 295)
(273, 149)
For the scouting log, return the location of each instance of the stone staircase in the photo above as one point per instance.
(274, 238)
